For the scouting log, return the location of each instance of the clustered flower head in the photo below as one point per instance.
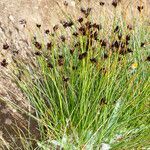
(5, 46)
(91, 31)
(4, 63)
(93, 40)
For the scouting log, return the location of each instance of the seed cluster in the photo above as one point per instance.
(4, 63)
(91, 33)
(5, 46)
(85, 43)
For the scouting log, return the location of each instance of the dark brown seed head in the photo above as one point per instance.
(49, 46)
(64, 23)
(116, 29)
(5, 46)
(105, 56)
(93, 60)
(82, 30)
(128, 38)
(103, 102)
(60, 62)
(65, 79)
(80, 19)
(89, 42)
(101, 3)
(65, 3)
(95, 35)
(97, 26)
(34, 38)
(15, 52)
(62, 37)
(115, 44)
(129, 50)
(77, 44)
(127, 42)
(148, 58)
(83, 10)
(88, 24)
(83, 55)
(119, 58)
(104, 42)
(140, 8)
(75, 34)
(129, 27)
(38, 26)
(94, 25)
(4, 63)
(67, 24)
(37, 45)
(47, 31)
(55, 28)
(86, 12)
(60, 56)
(103, 70)
(49, 65)
(142, 44)
(70, 23)
(38, 53)
(115, 3)
(122, 51)
(91, 33)
(71, 51)
(89, 10)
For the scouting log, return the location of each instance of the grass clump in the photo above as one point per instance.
(91, 88)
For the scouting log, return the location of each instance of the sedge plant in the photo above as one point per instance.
(91, 89)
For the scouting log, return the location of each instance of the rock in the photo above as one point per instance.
(70, 3)
(105, 146)
(11, 18)
(8, 121)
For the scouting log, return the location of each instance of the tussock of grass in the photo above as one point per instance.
(90, 88)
